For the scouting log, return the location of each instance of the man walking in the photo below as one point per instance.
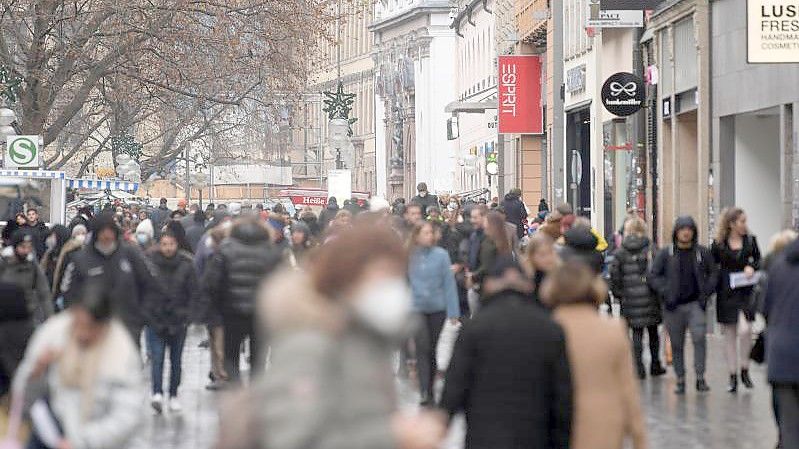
(232, 278)
(510, 371)
(684, 276)
(424, 198)
(515, 211)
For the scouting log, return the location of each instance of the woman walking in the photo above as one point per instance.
(542, 259)
(607, 407)
(639, 305)
(85, 365)
(435, 298)
(331, 385)
(168, 317)
(495, 245)
(735, 251)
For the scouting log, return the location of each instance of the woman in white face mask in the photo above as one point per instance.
(332, 333)
(67, 252)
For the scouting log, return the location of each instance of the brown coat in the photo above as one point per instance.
(607, 406)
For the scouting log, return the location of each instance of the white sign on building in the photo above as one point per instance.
(339, 185)
(614, 18)
(772, 31)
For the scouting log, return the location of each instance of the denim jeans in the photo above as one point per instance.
(157, 346)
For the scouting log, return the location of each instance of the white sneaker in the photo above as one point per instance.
(174, 405)
(157, 402)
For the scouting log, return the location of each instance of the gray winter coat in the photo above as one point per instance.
(330, 384)
(628, 280)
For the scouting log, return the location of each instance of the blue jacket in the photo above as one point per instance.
(432, 282)
(781, 309)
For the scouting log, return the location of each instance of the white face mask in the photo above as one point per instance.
(385, 307)
(80, 238)
(106, 250)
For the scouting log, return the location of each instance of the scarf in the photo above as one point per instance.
(78, 367)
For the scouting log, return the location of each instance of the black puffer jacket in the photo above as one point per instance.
(169, 312)
(238, 267)
(628, 277)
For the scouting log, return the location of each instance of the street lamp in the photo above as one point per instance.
(7, 117)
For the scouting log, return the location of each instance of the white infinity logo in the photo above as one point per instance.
(617, 88)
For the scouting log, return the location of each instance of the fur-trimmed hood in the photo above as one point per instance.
(288, 302)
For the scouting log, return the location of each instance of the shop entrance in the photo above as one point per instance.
(578, 161)
(757, 171)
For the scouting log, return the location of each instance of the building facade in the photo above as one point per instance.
(754, 151)
(680, 49)
(415, 57)
(474, 110)
(351, 63)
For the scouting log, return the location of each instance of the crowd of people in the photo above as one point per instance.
(317, 305)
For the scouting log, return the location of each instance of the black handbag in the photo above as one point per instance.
(758, 352)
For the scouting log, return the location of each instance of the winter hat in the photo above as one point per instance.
(20, 236)
(146, 228)
(234, 209)
(299, 226)
(79, 229)
(379, 204)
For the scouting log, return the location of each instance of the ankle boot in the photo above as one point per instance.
(701, 385)
(733, 388)
(656, 369)
(680, 390)
(641, 370)
(745, 379)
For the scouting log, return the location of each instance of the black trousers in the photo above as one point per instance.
(426, 340)
(638, 344)
(787, 402)
(237, 329)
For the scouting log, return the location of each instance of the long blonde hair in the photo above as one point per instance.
(727, 218)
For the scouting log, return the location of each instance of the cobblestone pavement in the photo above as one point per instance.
(713, 420)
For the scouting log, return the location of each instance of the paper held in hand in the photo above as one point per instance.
(740, 279)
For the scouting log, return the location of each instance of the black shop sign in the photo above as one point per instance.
(623, 94)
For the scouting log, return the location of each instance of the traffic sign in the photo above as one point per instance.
(22, 152)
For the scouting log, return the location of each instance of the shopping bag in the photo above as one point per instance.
(446, 343)
(758, 353)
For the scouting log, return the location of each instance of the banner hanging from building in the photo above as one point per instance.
(519, 88)
(772, 31)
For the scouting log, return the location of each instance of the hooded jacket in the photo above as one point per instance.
(50, 258)
(628, 281)
(330, 384)
(664, 276)
(328, 214)
(125, 271)
(516, 213)
(782, 315)
(581, 245)
(238, 267)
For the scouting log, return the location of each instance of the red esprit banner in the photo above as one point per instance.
(519, 107)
